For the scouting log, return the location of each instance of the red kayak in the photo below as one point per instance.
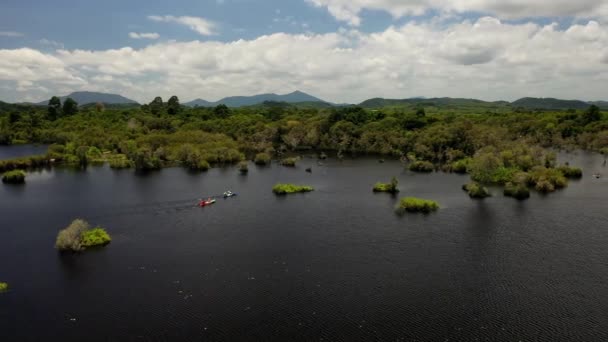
(206, 203)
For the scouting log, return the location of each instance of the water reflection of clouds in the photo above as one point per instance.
(40, 175)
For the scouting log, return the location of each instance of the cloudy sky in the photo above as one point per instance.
(339, 50)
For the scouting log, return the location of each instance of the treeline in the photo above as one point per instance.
(165, 133)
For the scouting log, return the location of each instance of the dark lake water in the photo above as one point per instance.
(336, 264)
(8, 152)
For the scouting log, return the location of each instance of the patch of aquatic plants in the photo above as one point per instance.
(476, 190)
(3, 287)
(290, 162)
(95, 237)
(24, 163)
(14, 177)
(243, 167)
(517, 191)
(78, 236)
(421, 166)
(571, 172)
(387, 187)
(262, 159)
(283, 189)
(416, 205)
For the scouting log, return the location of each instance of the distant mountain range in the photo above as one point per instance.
(526, 102)
(87, 97)
(551, 103)
(241, 101)
(299, 98)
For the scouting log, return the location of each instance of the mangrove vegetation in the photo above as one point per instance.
(416, 205)
(78, 236)
(284, 189)
(495, 143)
(14, 177)
(387, 187)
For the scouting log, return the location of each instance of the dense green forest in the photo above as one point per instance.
(493, 142)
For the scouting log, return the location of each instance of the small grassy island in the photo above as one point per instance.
(78, 236)
(416, 205)
(243, 167)
(284, 189)
(387, 187)
(262, 159)
(571, 172)
(290, 162)
(3, 287)
(475, 190)
(14, 177)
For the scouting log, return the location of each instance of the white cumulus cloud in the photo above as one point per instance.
(349, 10)
(484, 58)
(136, 35)
(200, 25)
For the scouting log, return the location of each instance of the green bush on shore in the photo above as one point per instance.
(475, 190)
(120, 161)
(14, 177)
(546, 179)
(460, 166)
(387, 187)
(78, 236)
(283, 189)
(262, 159)
(413, 204)
(422, 166)
(24, 163)
(518, 191)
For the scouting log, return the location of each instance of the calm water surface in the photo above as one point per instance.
(336, 264)
(8, 152)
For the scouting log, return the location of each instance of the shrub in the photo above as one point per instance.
(95, 237)
(422, 166)
(571, 172)
(24, 163)
(14, 177)
(120, 161)
(77, 237)
(283, 189)
(243, 167)
(547, 180)
(413, 204)
(262, 159)
(70, 238)
(544, 186)
(387, 187)
(475, 190)
(290, 162)
(3, 287)
(460, 166)
(518, 191)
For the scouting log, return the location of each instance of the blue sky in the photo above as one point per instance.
(340, 50)
(88, 24)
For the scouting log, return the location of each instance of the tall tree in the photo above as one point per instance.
(156, 106)
(592, 114)
(70, 107)
(173, 106)
(221, 111)
(54, 108)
